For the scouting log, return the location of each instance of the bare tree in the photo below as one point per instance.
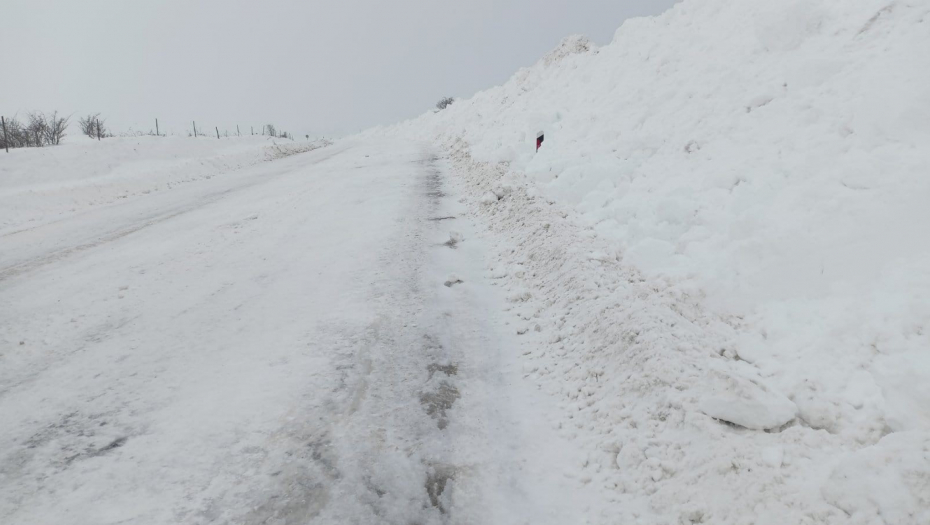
(444, 103)
(272, 131)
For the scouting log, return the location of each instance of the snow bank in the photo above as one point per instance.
(886, 483)
(770, 159)
(42, 184)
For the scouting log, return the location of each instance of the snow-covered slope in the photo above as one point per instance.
(772, 159)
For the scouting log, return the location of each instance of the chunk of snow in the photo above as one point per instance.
(489, 198)
(744, 402)
(502, 191)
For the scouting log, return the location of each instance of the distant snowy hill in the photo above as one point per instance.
(773, 159)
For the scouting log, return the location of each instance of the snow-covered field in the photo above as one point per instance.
(44, 184)
(723, 241)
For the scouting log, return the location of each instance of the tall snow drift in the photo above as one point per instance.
(772, 157)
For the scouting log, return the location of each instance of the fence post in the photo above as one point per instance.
(237, 131)
(6, 140)
(156, 128)
(195, 129)
(217, 132)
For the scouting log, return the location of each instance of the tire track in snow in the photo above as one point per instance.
(278, 373)
(380, 447)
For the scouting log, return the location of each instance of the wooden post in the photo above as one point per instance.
(195, 129)
(6, 140)
(156, 128)
(252, 129)
(237, 131)
(217, 132)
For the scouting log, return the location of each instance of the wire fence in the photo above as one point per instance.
(39, 130)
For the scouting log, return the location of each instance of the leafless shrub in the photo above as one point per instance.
(272, 131)
(94, 127)
(55, 128)
(88, 125)
(36, 129)
(16, 135)
(444, 103)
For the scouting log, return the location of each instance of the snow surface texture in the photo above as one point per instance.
(40, 185)
(745, 188)
(274, 345)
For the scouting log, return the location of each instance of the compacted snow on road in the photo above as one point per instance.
(308, 339)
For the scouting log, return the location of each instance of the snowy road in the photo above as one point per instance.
(294, 342)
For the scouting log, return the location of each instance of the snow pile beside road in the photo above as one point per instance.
(670, 422)
(765, 164)
(42, 184)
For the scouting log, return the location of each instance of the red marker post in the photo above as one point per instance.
(539, 140)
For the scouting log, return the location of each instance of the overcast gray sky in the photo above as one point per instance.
(308, 66)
